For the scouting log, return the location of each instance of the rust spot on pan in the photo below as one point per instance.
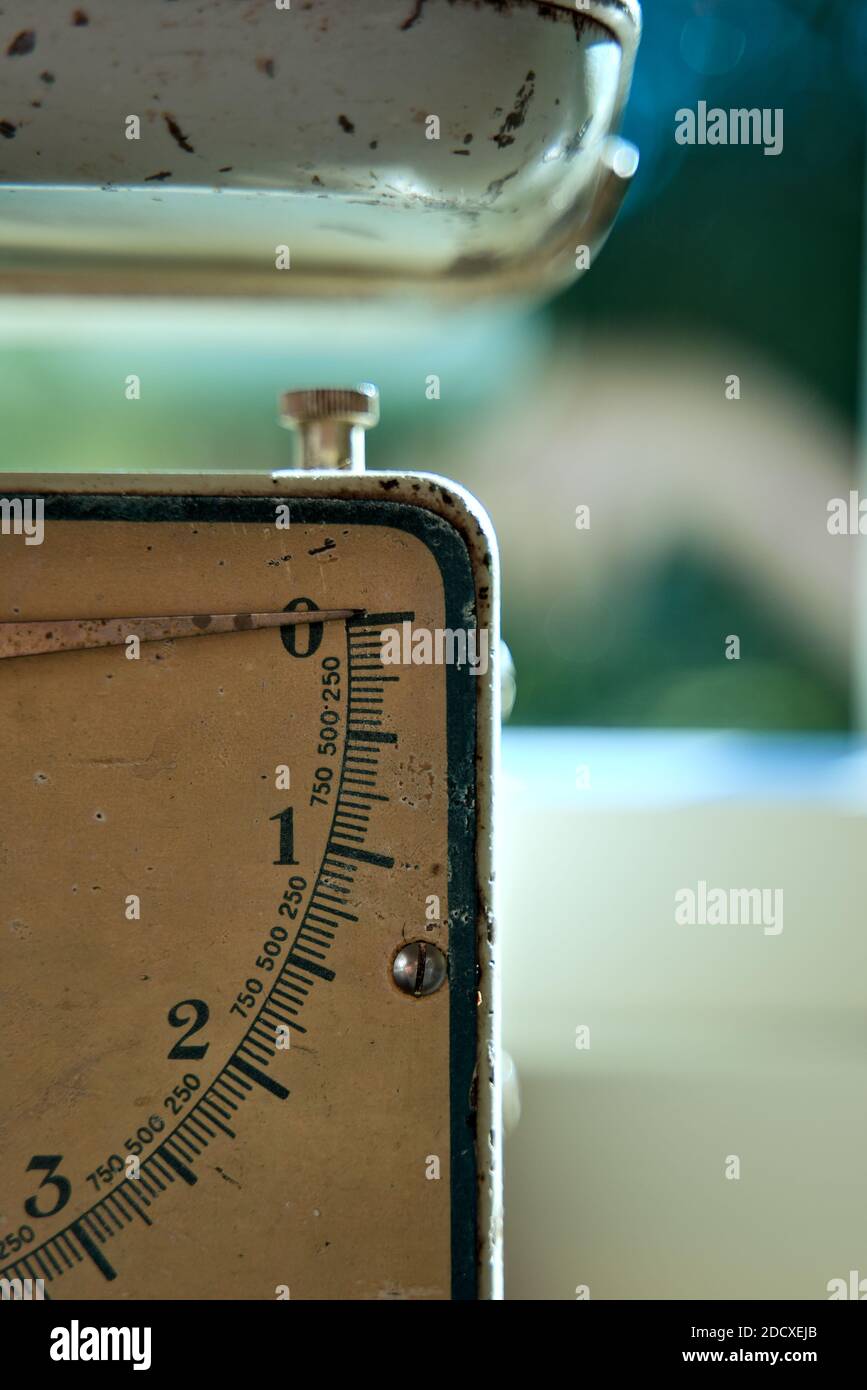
(413, 18)
(518, 114)
(177, 134)
(25, 42)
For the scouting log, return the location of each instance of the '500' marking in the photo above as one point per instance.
(271, 948)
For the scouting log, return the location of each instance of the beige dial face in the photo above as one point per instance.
(210, 853)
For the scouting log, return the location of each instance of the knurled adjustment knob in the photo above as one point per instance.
(330, 423)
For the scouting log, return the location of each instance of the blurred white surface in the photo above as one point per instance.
(705, 1041)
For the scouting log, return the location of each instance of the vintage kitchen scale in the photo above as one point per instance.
(248, 955)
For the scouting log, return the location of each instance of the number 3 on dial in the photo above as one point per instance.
(64, 1187)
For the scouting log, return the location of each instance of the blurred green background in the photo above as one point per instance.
(708, 516)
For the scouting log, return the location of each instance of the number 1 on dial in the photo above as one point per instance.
(287, 837)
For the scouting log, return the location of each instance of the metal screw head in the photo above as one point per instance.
(419, 968)
(331, 422)
(358, 405)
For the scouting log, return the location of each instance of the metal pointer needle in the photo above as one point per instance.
(77, 634)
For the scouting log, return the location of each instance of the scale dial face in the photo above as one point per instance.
(210, 856)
